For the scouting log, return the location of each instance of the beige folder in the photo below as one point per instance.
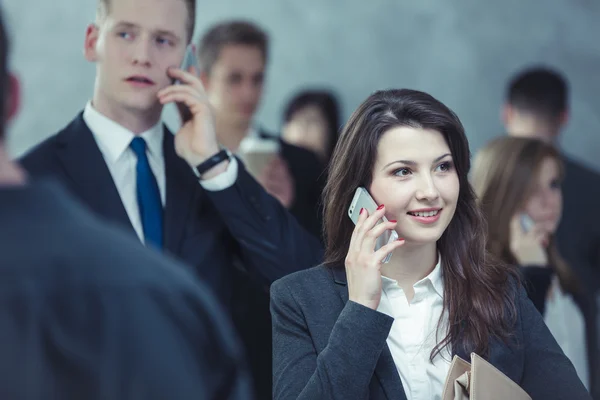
(479, 380)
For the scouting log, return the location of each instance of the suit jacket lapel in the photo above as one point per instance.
(507, 358)
(182, 184)
(85, 165)
(385, 370)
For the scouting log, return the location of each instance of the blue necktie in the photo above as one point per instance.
(148, 196)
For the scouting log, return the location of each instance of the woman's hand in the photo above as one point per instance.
(528, 247)
(363, 263)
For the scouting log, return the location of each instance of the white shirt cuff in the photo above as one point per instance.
(224, 179)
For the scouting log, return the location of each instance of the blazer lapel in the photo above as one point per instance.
(339, 277)
(387, 374)
(182, 184)
(85, 165)
(385, 370)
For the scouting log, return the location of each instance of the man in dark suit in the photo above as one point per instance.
(233, 57)
(180, 193)
(537, 106)
(86, 312)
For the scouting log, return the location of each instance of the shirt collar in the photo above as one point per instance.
(434, 278)
(114, 139)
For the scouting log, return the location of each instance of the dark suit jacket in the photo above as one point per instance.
(326, 347)
(578, 235)
(537, 281)
(234, 240)
(578, 239)
(306, 169)
(86, 312)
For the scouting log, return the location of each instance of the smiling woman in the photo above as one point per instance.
(358, 328)
(419, 190)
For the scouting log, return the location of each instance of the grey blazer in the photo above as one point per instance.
(326, 347)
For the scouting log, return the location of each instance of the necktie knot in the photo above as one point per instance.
(138, 145)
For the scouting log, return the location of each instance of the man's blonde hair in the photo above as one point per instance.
(104, 8)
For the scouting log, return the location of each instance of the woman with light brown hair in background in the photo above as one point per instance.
(518, 184)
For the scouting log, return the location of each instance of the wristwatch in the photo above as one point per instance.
(211, 162)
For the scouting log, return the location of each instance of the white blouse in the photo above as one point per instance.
(413, 335)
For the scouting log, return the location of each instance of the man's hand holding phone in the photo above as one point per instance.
(196, 140)
(363, 263)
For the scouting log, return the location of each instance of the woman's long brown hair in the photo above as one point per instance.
(478, 295)
(503, 175)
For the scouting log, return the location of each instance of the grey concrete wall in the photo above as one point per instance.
(460, 51)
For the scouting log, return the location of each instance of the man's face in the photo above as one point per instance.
(235, 83)
(522, 124)
(133, 46)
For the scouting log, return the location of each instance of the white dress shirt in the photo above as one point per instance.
(113, 141)
(413, 335)
(566, 323)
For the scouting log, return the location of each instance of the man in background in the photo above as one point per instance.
(537, 106)
(233, 57)
(86, 312)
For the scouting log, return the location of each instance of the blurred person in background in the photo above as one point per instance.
(311, 120)
(233, 56)
(518, 184)
(537, 106)
(86, 312)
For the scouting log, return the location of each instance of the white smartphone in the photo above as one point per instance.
(256, 153)
(526, 222)
(362, 199)
(189, 60)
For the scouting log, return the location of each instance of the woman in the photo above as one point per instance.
(355, 328)
(518, 183)
(311, 120)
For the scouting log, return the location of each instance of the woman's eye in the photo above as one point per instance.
(402, 172)
(445, 166)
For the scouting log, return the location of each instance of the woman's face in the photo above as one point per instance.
(308, 129)
(414, 176)
(544, 204)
